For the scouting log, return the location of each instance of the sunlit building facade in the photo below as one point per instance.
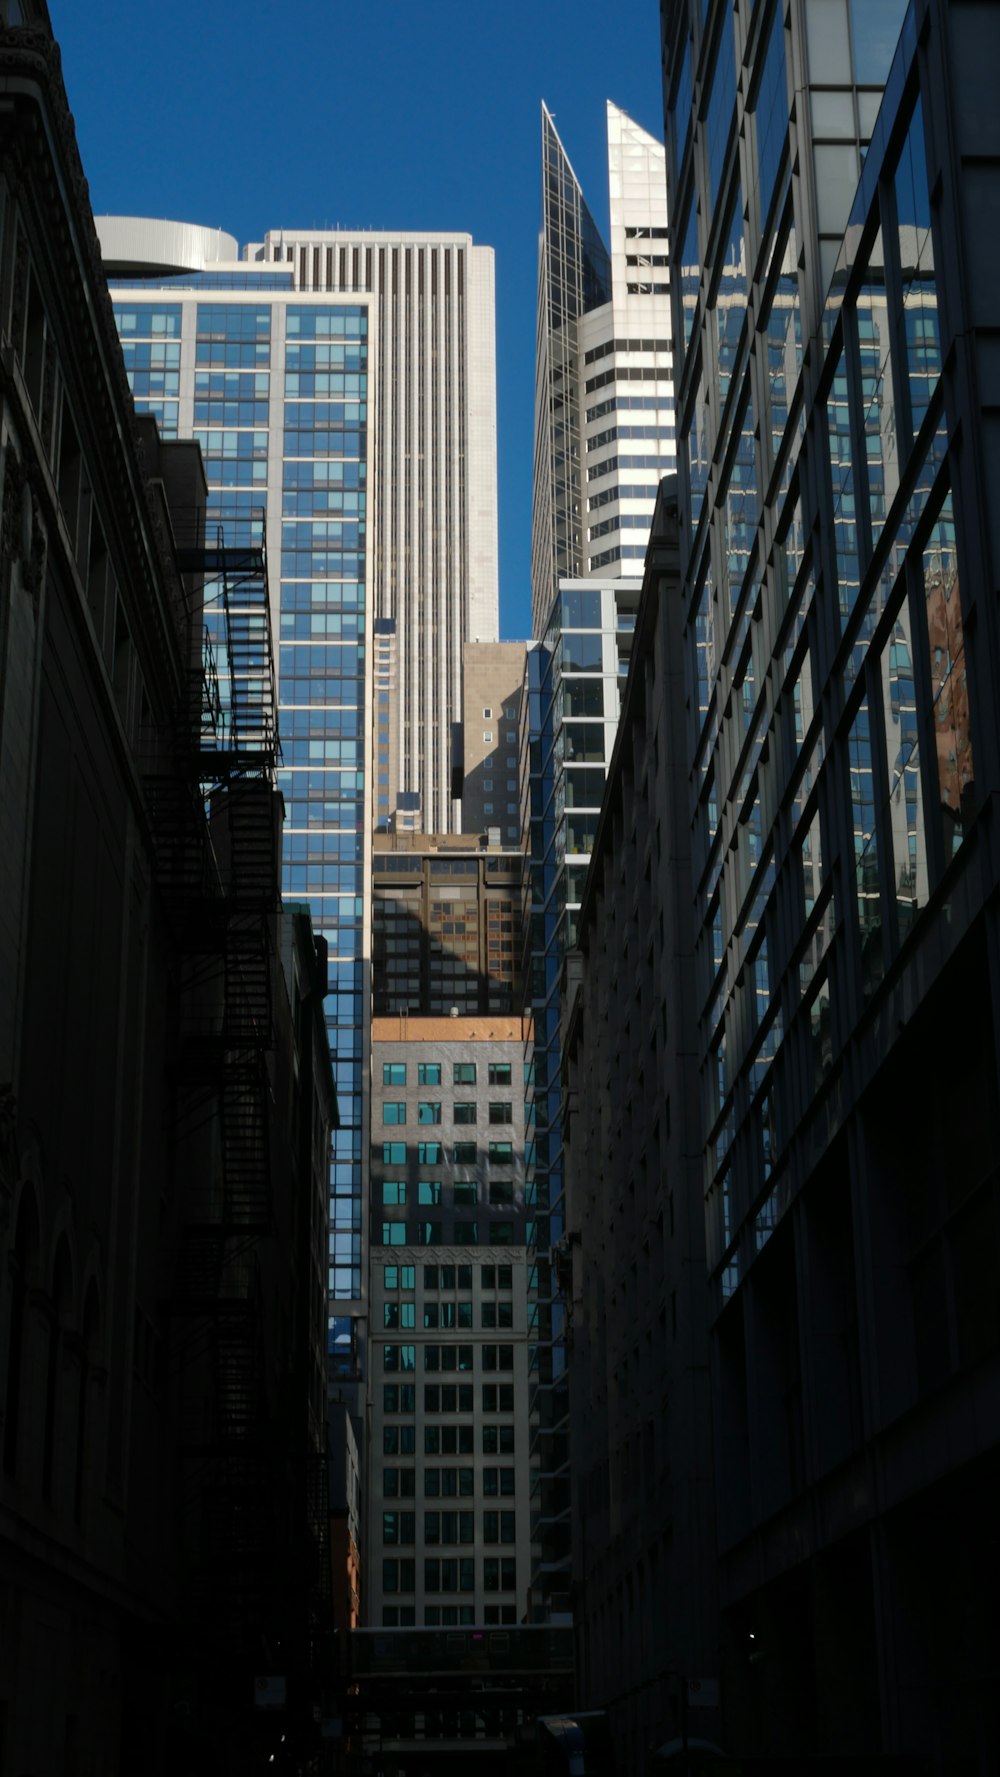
(286, 365)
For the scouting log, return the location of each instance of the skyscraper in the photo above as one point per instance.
(603, 394)
(342, 388)
(604, 436)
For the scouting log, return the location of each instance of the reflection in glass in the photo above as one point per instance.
(721, 105)
(690, 273)
(705, 660)
(949, 685)
(784, 342)
(740, 510)
(771, 113)
(865, 849)
(877, 402)
(906, 817)
(920, 328)
(838, 426)
(731, 298)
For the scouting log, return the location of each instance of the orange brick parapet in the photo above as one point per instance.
(406, 1027)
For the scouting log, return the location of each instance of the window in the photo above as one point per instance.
(501, 1233)
(450, 1527)
(501, 1190)
(393, 1191)
(398, 1527)
(499, 1073)
(429, 1234)
(465, 1234)
(499, 1573)
(489, 1277)
(501, 1111)
(464, 1153)
(390, 1311)
(498, 1527)
(399, 1397)
(498, 1439)
(488, 714)
(505, 1277)
(501, 1153)
(398, 1482)
(393, 1233)
(398, 1576)
(408, 1277)
(464, 1112)
(465, 1194)
(463, 1073)
(498, 1357)
(394, 1073)
(394, 1153)
(430, 1314)
(398, 1357)
(428, 1112)
(393, 1111)
(488, 736)
(498, 1397)
(391, 1277)
(430, 1153)
(428, 1073)
(429, 1191)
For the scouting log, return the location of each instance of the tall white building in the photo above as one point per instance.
(604, 426)
(342, 388)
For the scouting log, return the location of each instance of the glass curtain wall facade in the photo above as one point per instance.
(433, 512)
(275, 387)
(842, 740)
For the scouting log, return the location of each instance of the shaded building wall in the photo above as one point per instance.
(839, 578)
(637, 1336)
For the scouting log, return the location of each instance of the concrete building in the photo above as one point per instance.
(491, 692)
(318, 373)
(166, 1093)
(830, 168)
(448, 1497)
(446, 927)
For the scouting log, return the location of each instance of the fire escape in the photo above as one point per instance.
(215, 834)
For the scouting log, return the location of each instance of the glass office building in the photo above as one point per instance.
(277, 364)
(830, 165)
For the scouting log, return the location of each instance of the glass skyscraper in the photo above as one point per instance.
(277, 364)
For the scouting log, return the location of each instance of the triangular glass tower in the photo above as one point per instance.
(574, 276)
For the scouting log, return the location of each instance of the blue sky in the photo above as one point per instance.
(255, 114)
